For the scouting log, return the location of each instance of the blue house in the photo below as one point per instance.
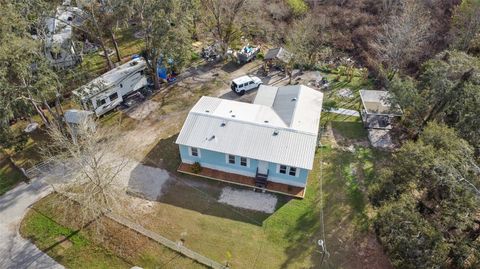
(268, 144)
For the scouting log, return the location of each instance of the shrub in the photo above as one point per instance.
(196, 168)
(298, 7)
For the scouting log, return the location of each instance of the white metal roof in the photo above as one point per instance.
(256, 130)
(110, 78)
(76, 116)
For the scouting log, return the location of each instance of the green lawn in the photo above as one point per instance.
(10, 176)
(284, 239)
(74, 248)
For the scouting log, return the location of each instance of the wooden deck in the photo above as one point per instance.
(297, 192)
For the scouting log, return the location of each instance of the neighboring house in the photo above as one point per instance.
(377, 111)
(59, 46)
(106, 92)
(269, 144)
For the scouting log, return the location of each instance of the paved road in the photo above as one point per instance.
(16, 252)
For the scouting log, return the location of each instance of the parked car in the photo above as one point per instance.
(245, 83)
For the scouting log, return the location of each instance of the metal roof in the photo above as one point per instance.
(256, 130)
(77, 116)
(278, 53)
(378, 102)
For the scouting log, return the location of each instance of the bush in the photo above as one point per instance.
(298, 7)
(260, 56)
(194, 56)
(196, 168)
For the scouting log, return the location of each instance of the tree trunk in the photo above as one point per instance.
(115, 44)
(105, 54)
(156, 81)
(40, 112)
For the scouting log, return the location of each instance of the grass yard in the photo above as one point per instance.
(74, 248)
(189, 209)
(10, 176)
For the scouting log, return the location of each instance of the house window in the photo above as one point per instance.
(243, 161)
(194, 152)
(293, 171)
(283, 169)
(231, 159)
(113, 96)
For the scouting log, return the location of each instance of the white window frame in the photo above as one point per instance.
(227, 159)
(191, 152)
(247, 162)
(287, 171)
(290, 170)
(279, 168)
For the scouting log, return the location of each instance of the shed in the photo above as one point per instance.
(378, 111)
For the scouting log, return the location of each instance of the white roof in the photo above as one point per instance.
(378, 102)
(76, 116)
(259, 130)
(110, 78)
(60, 27)
(242, 79)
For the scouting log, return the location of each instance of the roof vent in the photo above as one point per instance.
(230, 111)
(223, 124)
(208, 111)
(211, 138)
(294, 99)
(266, 121)
(233, 116)
(275, 133)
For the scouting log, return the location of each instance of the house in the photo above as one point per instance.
(106, 92)
(377, 111)
(268, 144)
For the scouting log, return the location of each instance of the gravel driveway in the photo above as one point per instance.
(15, 251)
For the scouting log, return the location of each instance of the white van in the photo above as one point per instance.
(246, 83)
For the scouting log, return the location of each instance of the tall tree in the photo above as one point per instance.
(465, 26)
(167, 42)
(403, 39)
(223, 17)
(84, 170)
(448, 91)
(432, 191)
(26, 76)
(307, 39)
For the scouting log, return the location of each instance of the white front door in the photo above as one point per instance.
(262, 167)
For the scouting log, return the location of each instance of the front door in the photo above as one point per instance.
(263, 167)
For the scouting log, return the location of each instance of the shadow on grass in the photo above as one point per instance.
(196, 193)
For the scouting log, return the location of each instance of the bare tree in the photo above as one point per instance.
(307, 39)
(404, 37)
(84, 165)
(222, 17)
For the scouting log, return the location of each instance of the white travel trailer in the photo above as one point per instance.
(109, 90)
(59, 46)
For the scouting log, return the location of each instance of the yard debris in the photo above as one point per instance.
(247, 199)
(345, 93)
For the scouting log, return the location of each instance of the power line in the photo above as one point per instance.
(322, 243)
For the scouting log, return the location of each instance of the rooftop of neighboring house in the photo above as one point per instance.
(110, 78)
(378, 103)
(280, 126)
